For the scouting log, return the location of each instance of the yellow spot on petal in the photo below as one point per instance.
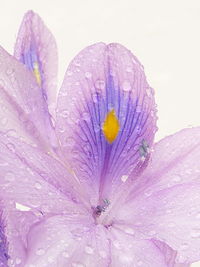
(111, 126)
(37, 72)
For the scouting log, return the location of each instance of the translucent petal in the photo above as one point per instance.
(36, 48)
(23, 111)
(105, 117)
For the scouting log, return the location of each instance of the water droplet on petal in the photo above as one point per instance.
(124, 178)
(100, 85)
(18, 261)
(11, 147)
(176, 178)
(3, 121)
(195, 234)
(89, 250)
(40, 252)
(86, 116)
(126, 86)
(38, 186)
(65, 254)
(88, 75)
(9, 71)
(129, 230)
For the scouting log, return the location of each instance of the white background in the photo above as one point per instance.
(164, 35)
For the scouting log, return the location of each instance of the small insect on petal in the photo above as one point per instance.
(111, 127)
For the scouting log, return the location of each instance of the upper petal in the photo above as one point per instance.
(105, 117)
(36, 48)
(23, 110)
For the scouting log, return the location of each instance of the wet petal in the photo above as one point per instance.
(172, 215)
(105, 117)
(175, 160)
(34, 179)
(36, 48)
(128, 251)
(164, 202)
(67, 241)
(23, 111)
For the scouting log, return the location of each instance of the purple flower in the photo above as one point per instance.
(83, 184)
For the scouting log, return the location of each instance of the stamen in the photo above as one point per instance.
(101, 208)
(144, 149)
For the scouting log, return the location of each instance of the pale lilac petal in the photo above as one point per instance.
(67, 241)
(34, 179)
(127, 251)
(36, 48)
(23, 111)
(103, 79)
(171, 215)
(165, 200)
(175, 160)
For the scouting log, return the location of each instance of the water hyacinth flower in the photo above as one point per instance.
(83, 184)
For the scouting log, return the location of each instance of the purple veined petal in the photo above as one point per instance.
(36, 48)
(67, 241)
(4, 256)
(105, 117)
(23, 111)
(36, 180)
(14, 226)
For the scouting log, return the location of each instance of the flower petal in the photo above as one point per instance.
(165, 201)
(105, 117)
(36, 48)
(23, 110)
(34, 179)
(67, 241)
(172, 215)
(128, 251)
(175, 160)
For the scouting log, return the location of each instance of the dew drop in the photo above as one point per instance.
(89, 250)
(38, 186)
(86, 116)
(18, 261)
(129, 230)
(11, 147)
(126, 86)
(176, 178)
(102, 254)
(9, 71)
(124, 178)
(88, 75)
(129, 69)
(77, 264)
(100, 84)
(184, 246)
(95, 98)
(195, 234)
(138, 109)
(65, 254)
(40, 252)
(4, 121)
